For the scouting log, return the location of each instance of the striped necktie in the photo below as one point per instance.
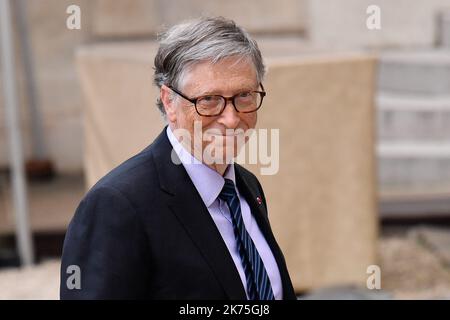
(258, 283)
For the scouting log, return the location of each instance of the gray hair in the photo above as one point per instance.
(199, 40)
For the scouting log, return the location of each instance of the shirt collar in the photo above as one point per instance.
(208, 182)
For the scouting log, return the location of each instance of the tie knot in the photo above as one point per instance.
(228, 190)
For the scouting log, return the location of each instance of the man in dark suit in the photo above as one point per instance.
(181, 220)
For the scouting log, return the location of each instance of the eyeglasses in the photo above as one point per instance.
(213, 105)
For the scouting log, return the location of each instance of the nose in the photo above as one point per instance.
(229, 117)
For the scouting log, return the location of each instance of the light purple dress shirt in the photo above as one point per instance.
(209, 184)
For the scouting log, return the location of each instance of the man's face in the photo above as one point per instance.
(227, 77)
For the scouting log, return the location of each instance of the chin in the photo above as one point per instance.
(219, 154)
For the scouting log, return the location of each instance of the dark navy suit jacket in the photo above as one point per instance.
(143, 232)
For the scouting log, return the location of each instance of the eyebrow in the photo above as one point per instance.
(217, 92)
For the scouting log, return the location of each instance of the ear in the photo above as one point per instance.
(169, 105)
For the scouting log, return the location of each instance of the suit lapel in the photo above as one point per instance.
(190, 210)
(260, 213)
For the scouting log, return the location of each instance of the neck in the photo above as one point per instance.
(219, 168)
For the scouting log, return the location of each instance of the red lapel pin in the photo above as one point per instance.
(259, 200)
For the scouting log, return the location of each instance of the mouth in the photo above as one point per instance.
(225, 135)
(229, 134)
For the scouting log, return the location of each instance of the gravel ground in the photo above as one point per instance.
(411, 266)
(412, 260)
(39, 282)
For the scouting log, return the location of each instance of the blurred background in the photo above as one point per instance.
(364, 132)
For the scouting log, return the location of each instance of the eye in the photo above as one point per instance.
(209, 101)
(244, 94)
(209, 98)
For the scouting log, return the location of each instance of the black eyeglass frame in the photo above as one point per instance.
(194, 100)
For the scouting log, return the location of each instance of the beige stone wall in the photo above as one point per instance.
(342, 24)
(322, 200)
(120, 117)
(60, 98)
(146, 17)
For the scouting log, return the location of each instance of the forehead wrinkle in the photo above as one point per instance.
(224, 82)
